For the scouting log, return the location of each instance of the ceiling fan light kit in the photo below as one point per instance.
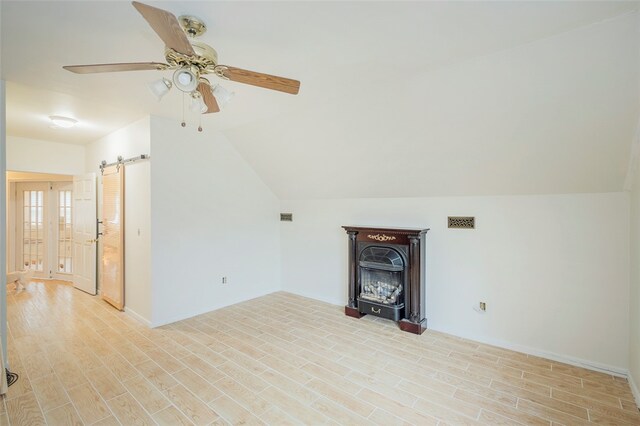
(190, 60)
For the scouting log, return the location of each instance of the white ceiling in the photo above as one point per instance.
(448, 98)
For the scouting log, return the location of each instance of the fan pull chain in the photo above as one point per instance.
(200, 122)
(183, 124)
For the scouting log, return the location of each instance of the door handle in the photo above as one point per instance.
(92, 241)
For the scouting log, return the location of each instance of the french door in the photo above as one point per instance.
(33, 228)
(63, 230)
(44, 229)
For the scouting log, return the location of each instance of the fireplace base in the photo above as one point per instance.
(412, 327)
(393, 312)
(352, 312)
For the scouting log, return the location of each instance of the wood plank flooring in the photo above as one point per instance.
(298, 361)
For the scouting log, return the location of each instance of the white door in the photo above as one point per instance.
(32, 233)
(84, 232)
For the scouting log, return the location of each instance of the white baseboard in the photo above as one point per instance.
(136, 316)
(171, 320)
(244, 298)
(566, 359)
(634, 389)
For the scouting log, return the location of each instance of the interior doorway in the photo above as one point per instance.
(40, 224)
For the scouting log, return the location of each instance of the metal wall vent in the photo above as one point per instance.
(462, 222)
(286, 217)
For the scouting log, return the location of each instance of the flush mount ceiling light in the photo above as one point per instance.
(160, 87)
(186, 79)
(60, 122)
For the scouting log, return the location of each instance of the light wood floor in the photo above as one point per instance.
(279, 359)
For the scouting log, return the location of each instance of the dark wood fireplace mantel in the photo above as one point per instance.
(411, 242)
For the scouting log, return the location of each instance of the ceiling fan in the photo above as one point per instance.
(190, 60)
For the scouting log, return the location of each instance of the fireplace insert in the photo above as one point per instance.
(382, 275)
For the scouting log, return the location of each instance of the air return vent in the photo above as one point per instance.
(462, 222)
(286, 217)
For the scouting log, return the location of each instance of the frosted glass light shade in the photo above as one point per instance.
(186, 79)
(223, 96)
(197, 104)
(160, 87)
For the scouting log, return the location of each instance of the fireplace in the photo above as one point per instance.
(386, 275)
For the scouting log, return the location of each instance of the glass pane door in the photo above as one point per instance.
(33, 227)
(33, 230)
(65, 232)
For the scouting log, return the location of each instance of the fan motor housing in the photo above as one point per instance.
(206, 57)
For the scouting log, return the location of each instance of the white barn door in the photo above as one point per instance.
(84, 232)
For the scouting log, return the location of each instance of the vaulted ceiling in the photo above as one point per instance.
(397, 99)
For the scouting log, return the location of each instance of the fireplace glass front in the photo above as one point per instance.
(382, 276)
(381, 286)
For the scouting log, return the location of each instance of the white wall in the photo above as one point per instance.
(128, 142)
(31, 155)
(634, 293)
(553, 270)
(212, 216)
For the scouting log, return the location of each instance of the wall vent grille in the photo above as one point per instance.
(286, 217)
(462, 222)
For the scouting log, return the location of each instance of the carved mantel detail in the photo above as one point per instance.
(382, 237)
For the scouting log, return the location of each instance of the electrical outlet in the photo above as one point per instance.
(483, 306)
(224, 280)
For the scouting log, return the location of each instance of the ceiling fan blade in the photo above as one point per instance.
(205, 90)
(166, 25)
(133, 66)
(261, 80)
